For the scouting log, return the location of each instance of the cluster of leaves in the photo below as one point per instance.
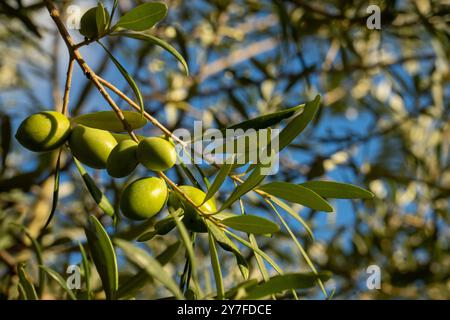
(407, 169)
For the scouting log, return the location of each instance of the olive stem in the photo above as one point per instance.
(68, 84)
(133, 104)
(90, 74)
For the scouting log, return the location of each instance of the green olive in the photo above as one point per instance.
(43, 131)
(122, 159)
(143, 198)
(91, 146)
(192, 220)
(156, 154)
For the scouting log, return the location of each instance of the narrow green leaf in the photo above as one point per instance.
(253, 180)
(267, 120)
(280, 283)
(299, 123)
(104, 256)
(38, 251)
(55, 190)
(331, 189)
(293, 214)
(107, 120)
(98, 196)
(101, 19)
(143, 17)
(216, 267)
(113, 10)
(241, 287)
(251, 224)
(256, 250)
(128, 78)
(228, 245)
(87, 270)
(133, 284)
(220, 178)
(158, 42)
(162, 227)
(27, 285)
(297, 194)
(60, 280)
(150, 265)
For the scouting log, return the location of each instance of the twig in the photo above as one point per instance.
(68, 84)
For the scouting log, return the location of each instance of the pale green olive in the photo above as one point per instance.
(43, 131)
(143, 198)
(122, 159)
(156, 154)
(192, 219)
(91, 146)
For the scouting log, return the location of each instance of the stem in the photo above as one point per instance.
(68, 84)
(89, 73)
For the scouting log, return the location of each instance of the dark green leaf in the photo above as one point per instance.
(128, 78)
(251, 224)
(98, 196)
(228, 245)
(162, 227)
(87, 270)
(55, 190)
(60, 280)
(267, 120)
(158, 42)
(299, 123)
(143, 17)
(220, 178)
(26, 284)
(331, 189)
(215, 263)
(280, 283)
(150, 265)
(297, 194)
(104, 256)
(136, 282)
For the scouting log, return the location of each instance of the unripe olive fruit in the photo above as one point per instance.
(91, 146)
(122, 159)
(192, 219)
(156, 154)
(43, 131)
(143, 198)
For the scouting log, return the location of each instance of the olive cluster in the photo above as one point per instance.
(119, 155)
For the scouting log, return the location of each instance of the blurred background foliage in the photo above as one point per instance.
(384, 124)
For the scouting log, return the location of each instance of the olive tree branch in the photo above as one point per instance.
(89, 73)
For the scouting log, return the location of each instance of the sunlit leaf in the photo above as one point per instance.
(26, 284)
(220, 178)
(299, 123)
(298, 194)
(251, 224)
(215, 263)
(143, 17)
(331, 189)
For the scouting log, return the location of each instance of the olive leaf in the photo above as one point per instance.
(98, 196)
(298, 194)
(215, 263)
(101, 19)
(224, 171)
(143, 17)
(104, 256)
(280, 283)
(86, 269)
(158, 42)
(107, 120)
(150, 265)
(127, 77)
(27, 285)
(251, 224)
(331, 189)
(55, 190)
(299, 123)
(60, 280)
